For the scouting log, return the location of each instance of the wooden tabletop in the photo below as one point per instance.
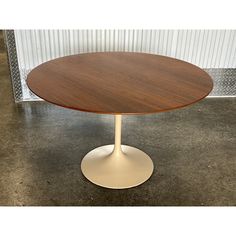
(119, 83)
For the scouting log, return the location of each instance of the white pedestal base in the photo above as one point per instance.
(117, 166)
(125, 168)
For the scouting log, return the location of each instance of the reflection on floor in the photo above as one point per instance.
(41, 147)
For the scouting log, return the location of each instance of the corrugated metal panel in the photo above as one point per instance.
(205, 48)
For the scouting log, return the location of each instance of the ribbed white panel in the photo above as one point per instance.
(205, 48)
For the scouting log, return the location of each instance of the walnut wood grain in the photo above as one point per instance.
(119, 83)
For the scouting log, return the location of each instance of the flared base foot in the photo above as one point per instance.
(117, 170)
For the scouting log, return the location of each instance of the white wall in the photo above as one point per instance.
(205, 48)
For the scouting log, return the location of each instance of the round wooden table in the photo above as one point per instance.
(119, 83)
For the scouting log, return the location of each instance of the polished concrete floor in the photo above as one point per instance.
(41, 147)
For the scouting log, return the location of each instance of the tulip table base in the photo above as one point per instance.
(117, 166)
